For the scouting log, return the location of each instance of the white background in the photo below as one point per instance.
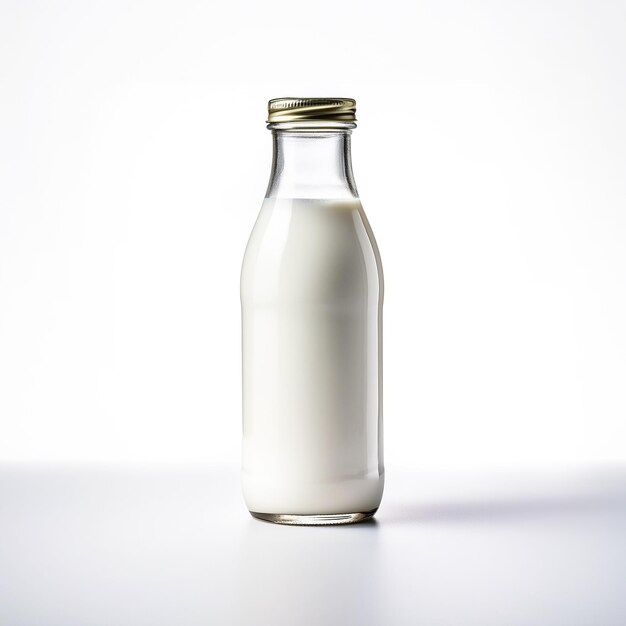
(491, 160)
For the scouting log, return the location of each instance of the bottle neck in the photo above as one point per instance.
(311, 164)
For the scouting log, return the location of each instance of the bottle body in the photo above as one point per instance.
(312, 295)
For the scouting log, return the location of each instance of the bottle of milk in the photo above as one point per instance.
(312, 297)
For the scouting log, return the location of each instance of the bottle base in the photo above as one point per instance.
(314, 520)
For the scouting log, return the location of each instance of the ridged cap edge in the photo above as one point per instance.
(311, 109)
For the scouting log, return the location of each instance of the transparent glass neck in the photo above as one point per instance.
(311, 162)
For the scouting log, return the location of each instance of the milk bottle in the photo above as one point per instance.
(311, 296)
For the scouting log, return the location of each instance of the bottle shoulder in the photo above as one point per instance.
(312, 246)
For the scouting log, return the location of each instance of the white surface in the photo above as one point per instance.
(490, 159)
(160, 547)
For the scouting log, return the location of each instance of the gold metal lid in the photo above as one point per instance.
(311, 110)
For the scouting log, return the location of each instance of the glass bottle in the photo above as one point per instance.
(311, 296)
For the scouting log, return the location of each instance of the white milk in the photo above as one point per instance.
(311, 291)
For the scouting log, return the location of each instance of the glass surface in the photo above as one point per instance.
(312, 293)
